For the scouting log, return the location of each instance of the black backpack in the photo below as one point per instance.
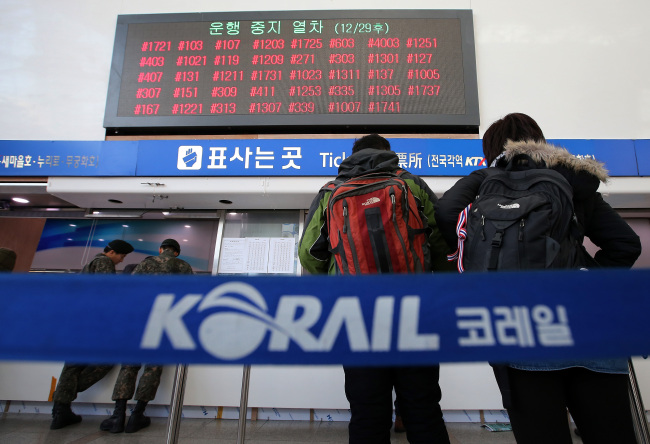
(522, 218)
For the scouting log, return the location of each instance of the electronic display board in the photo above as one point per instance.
(303, 70)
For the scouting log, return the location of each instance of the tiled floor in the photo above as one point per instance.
(24, 428)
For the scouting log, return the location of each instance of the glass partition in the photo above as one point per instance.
(66, 245)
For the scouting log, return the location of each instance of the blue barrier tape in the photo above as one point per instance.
(368, 320)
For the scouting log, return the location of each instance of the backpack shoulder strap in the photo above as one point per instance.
(329, 186)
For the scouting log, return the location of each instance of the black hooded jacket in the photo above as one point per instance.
(619, 245)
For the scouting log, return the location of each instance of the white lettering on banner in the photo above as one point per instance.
(330, 161)
(480, 330)
(292, 153)
(263, 155)
(167, 319)
(514, 326)
(415, 160)
(238, 332)
(217, 161)
(242, 321)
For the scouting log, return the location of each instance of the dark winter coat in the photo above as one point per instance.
(619, 245)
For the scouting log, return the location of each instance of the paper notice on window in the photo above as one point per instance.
(244, 255)
(281, 255)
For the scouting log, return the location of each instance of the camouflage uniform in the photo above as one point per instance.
(165, 263)
(76, 378)
(100, 264)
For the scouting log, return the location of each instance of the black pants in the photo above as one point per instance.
(598, 402)
(370, 393)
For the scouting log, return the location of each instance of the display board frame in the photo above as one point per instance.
(465, 122)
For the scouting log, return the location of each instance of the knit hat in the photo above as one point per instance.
(171, 243)
(120, 247)
(7, 259)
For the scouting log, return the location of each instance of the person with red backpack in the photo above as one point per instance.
(377, 218)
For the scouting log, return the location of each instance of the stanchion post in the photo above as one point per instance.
(638, 410)
(176, 406)
(243, 405)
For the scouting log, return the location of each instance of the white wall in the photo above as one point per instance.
(578, 67)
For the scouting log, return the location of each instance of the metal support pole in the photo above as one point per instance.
(176, 406)
(638, 410)
(243, 405)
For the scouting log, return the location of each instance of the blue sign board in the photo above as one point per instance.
(67, 158)
(618, 155)
(643, 156)
(276, 157)
(297, 157)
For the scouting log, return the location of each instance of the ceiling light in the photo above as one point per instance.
(198, 214)
(20, 200)
(115, 214)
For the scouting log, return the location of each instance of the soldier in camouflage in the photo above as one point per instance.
(167, 262)
(76, 378)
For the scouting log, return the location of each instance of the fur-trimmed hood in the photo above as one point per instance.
(554, 157)
(584, 174)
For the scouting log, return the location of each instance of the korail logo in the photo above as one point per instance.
(371, 201)
(239, 319)
(189, 157)
(509, 207)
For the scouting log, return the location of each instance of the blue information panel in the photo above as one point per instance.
(618, 155)
(276, 157)
(67, 158)
(642, 149)
(296, 157)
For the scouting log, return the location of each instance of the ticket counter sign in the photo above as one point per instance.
(275, 157)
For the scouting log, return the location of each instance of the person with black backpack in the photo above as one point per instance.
(377, 218)
(486, 215)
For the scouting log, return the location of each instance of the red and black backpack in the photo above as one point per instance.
(375, 226)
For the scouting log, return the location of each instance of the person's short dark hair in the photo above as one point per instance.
(516, 127)
(172, 243)
(371, 141)
(119, 246)
(7, 259)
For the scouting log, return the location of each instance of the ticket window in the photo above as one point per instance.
(260, 243)
(66, 245)
(263, 243)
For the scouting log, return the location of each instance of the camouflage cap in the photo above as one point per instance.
(7, 259)
(120, 247)
(171, 243)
